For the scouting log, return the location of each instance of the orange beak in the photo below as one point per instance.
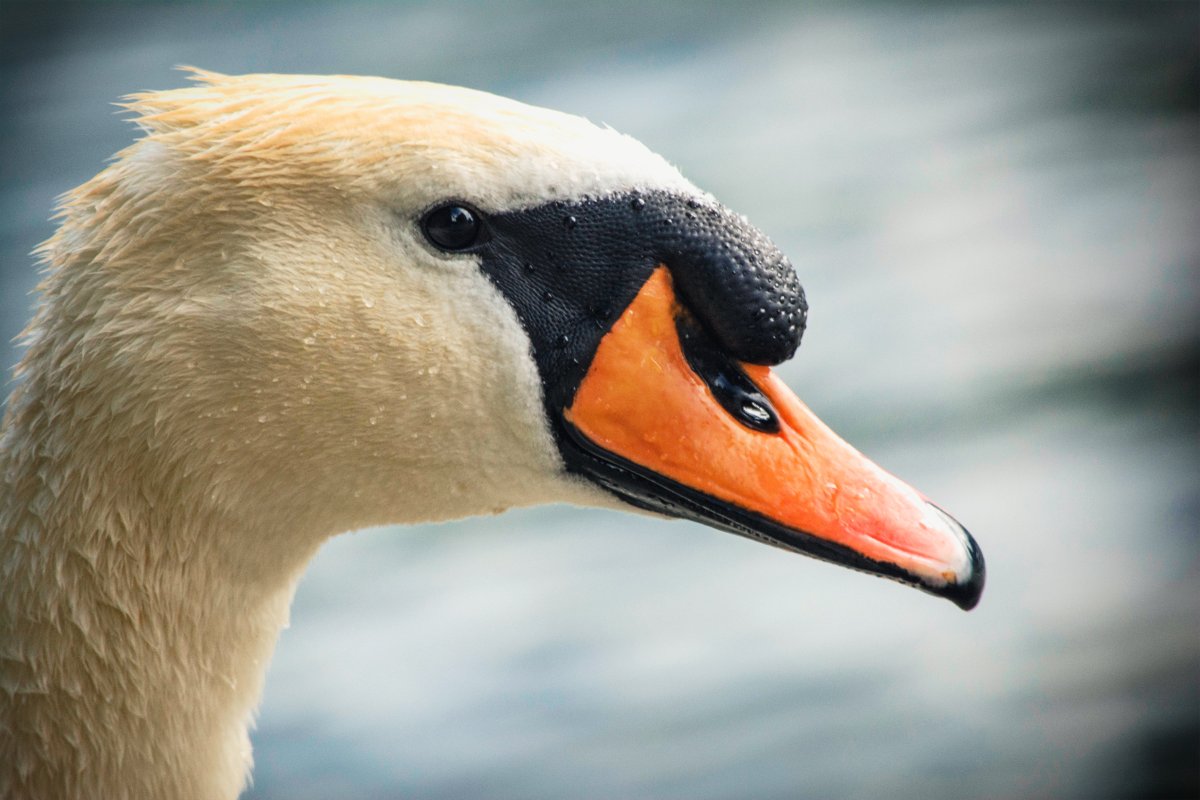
(684, 432)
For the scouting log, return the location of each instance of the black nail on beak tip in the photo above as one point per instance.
(966, 594)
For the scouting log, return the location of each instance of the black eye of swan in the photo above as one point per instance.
(453, 227)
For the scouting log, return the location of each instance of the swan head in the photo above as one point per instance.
(353, 301)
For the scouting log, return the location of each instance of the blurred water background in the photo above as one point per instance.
(994, 209)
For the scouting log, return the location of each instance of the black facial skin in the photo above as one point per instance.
(570, 269)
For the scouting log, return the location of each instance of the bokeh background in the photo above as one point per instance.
(994, 209)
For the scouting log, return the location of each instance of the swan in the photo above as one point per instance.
(298, 306)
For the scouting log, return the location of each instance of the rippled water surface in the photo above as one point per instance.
(994, 211)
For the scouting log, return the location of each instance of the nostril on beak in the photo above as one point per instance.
(726, 380)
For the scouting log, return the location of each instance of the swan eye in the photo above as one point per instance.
(453, 227)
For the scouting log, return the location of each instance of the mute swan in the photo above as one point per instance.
(304, 305)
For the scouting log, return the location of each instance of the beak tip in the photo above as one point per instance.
(964, 593)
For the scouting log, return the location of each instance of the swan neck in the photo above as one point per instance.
(133, 638)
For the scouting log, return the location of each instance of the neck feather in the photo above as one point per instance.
(133, 640)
